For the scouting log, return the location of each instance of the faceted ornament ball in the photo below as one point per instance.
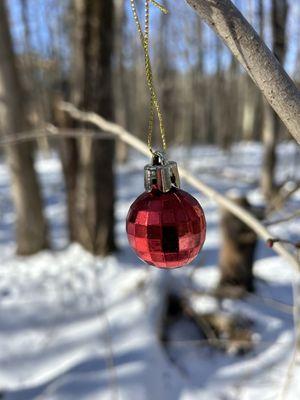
(166, 230)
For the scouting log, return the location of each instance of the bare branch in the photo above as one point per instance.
(142, 148)
(257, 59)
(223, 201)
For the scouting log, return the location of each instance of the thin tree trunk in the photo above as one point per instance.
(31, 229)
(69, 158)
(121, 85)
(38, 107)
(69, 152)
(263, 67)
(250, 109)
(95, 195)
(272, 121)
(198, 123)
(165, 76)
(254, 103)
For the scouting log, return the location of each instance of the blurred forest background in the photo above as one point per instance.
(71, 182)
(88, 53)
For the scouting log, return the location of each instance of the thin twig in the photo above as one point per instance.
(281, 198)
(283, 219)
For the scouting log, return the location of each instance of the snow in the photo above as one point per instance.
(73, 326)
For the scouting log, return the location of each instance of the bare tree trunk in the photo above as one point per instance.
(90, 180)
(220, 93)
(38, 108)
(257, 59)
(236, 254)
(250, 109)
(165, 75)
(231, 105)
(261, 18)
(121, 85)
(69, 152)
(95, 195)
(199, 127)
(69, 158)
(31, 229)
(254, 103)
(272, 121)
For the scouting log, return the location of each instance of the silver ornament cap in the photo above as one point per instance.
(161, 173)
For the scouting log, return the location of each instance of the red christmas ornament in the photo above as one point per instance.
(165, 225)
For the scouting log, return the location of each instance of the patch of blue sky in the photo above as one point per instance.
(181, 34)
(48, 33)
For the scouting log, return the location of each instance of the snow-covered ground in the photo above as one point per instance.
(80, 328)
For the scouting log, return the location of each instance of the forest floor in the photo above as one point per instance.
(83, 328)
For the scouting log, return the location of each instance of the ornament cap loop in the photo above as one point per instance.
(161, 173)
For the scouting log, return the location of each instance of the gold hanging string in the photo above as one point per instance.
(154, 103)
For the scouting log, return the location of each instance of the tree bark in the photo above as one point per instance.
(31, 228)
(198, 105)
(68, 148)
(236, 254)
(272, 121)
(37, 107)
(91, 182)
(121, 95)
(95, 195)
(263, 67)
